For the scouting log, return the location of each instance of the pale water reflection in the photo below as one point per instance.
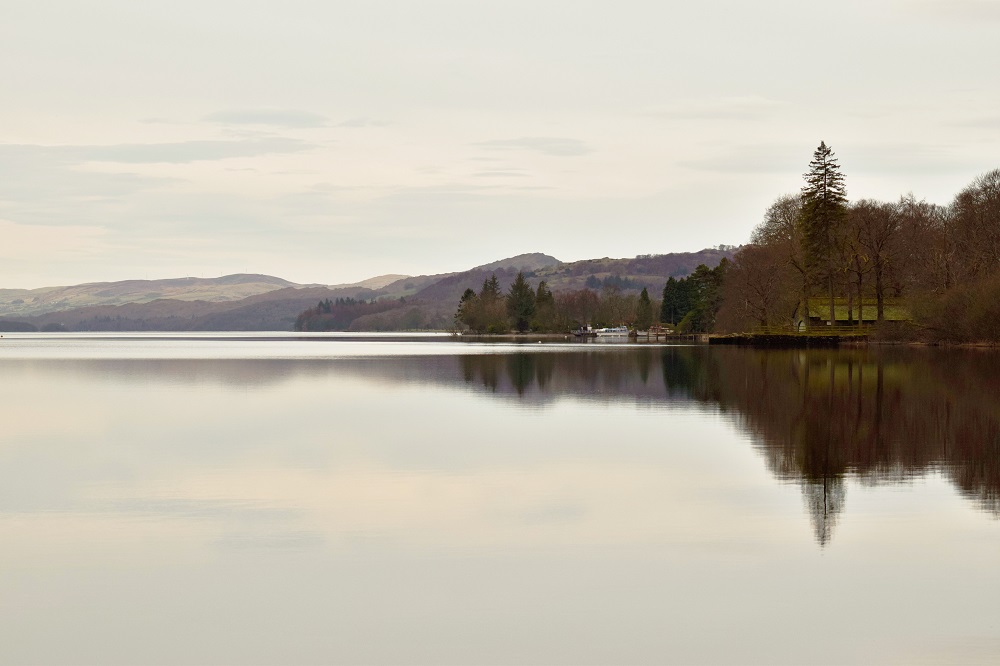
(328, 501)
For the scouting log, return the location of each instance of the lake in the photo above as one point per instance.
(273, 499)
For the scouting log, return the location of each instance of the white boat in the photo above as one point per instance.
(616, 332)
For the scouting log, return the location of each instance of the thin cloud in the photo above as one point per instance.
(44, 242)
(289, 118)
(45, 184)
(908, 158)
(181, 152)
(555, 146)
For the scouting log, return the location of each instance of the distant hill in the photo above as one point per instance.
(17, 303)
(651, 270)
(433, 305)
(260, 302)
(522, 262)
(275, 310)
(373, 283)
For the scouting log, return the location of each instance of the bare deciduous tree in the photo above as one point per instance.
(781, 229)
(976, 226)
(760, 288)
(876, 226)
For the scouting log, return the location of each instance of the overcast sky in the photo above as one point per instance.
(334, 141)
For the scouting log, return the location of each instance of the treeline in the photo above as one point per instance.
(594, 282)
(7, 326)
(818, 258)
(525, 308)
(690, 304)
(339, 314)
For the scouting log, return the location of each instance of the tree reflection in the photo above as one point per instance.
(521, 370)
(880, 415)
(818, 417)
(824, 501)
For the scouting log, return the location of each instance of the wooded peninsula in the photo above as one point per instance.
(908, 269)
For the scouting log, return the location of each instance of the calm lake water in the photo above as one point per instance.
(273, 500)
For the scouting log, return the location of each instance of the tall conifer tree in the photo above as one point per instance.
(824, 209)
(644, 312)
(520, 303)
(668, 308)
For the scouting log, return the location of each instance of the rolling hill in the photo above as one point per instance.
(260, 302)
(19, 303)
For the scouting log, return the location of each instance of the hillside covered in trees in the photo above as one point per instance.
(688, 305)
(550, 296)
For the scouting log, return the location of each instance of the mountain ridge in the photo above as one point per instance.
(21, 303)
(423, 301)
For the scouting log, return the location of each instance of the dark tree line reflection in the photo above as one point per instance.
(818, 417)
(880, 415)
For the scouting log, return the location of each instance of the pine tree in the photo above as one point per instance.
(543, 294)
(824, 209)
(668, 308)
(644, 312)
(545, 308)
(491, 288)
(703, 291)
(467, 313)
(491, 307)
(521, 303)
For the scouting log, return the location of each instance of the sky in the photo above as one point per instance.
(329, 142)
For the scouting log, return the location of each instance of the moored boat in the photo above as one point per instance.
(615, 332)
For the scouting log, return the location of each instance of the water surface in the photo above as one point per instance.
(269, 499)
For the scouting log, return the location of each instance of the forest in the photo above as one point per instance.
(688, 304)
(913, 269)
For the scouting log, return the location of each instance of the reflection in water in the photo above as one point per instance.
(489, 503)
(618, 375)
(883, 416)
(817, 416)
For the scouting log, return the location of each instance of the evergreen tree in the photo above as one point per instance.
(679, 298)
(704, 290)
(668, 308)
(545, 308)
(687, 296)
(824, 209)
(543, 294)
(644, 312)
(491, 289)
(521, 303)
(492, 307)
(467, 313)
